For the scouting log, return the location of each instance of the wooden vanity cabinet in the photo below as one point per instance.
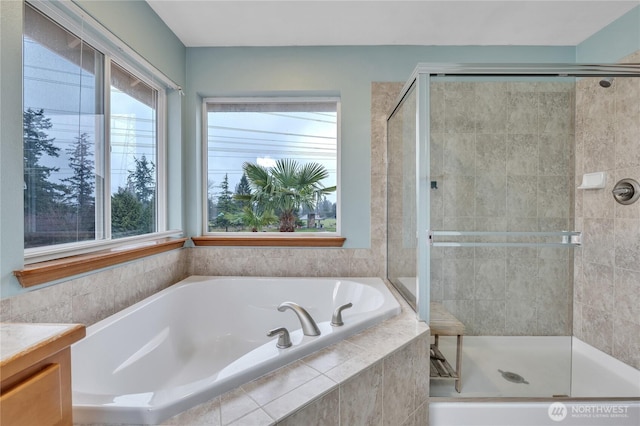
(35, 373)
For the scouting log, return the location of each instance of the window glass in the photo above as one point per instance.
(133, 154)
(292, 144)
(90, 172)
(62, 124)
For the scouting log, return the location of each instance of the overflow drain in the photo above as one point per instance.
(512, 377)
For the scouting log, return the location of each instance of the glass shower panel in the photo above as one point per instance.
(502, 205)
(401, 197)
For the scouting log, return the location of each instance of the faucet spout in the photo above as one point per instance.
(309, 326)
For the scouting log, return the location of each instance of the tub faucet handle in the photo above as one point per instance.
(336, 319)
(284, 341)
(309, 326)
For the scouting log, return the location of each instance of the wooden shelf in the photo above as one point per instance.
(269, 241)
(42, 272)
(440, 367)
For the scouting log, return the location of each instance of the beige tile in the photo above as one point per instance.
(399, 385)
(255, 418)
(300, 396)
(206, 414)
(322, 412)
(236, 404)
(626, 344)
(328, 358)
(279, 382)
(361, 398)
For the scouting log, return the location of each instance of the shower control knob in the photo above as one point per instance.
(626, 191)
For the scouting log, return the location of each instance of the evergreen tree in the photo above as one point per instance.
(211, 205)
(80, 188)
(243, 192)
(225, 205)
(126, 213)
(142, 179)
(142, 183)
(40, 195)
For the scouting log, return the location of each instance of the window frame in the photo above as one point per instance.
(73, 19)
(267, 238)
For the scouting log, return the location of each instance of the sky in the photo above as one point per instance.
(264, 137)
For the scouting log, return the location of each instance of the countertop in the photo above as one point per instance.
(23, 344)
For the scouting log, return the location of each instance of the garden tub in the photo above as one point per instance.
(205, 336)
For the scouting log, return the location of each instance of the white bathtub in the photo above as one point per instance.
(207, 335)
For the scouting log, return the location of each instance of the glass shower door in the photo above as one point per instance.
(501, 179)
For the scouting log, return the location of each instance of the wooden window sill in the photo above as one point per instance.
(42, 272)
(269, 241)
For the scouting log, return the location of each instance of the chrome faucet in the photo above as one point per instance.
(336, 319)
(284, 340)
(309, 326)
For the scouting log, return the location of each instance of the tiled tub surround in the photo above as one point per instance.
(378, 377)
(207, 335)
(502, 154)
(607, 267)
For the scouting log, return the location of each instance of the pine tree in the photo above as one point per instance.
(80, 187)
(126, 213)
(225, 205)
(243, 191)
(142, 179)
(40, 195)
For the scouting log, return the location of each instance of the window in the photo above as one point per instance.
(91, 141)
(271, 165)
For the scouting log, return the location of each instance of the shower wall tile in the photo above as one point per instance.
(522, 196)
(489, 318)
(598, 286)
(491, 104)
(555, 154)
(521, 279)
(553, 117)
(520, 179)
(491, 154)
(459, 196)
(490, 279)
(521, 318)
(490, 195)
(626, 346)
(606, 313)
(459, 154)
(459, 107)
(597, 328)
(627, 243)
(522, 154)
(458, 279)
(522, 117)
(598, 241)
(552, 196)
(627, 292)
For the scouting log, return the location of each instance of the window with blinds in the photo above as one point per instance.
(91, 140)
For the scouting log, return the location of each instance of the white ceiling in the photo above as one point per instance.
(365, 22)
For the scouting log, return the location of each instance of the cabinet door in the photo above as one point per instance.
(35, 401)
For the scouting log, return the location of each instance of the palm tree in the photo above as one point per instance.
(287, 187)
(257, 220)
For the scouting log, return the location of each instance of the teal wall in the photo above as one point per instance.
(137, 25)
(613, 42)
(345, 71)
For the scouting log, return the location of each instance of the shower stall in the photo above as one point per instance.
(485, 216)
